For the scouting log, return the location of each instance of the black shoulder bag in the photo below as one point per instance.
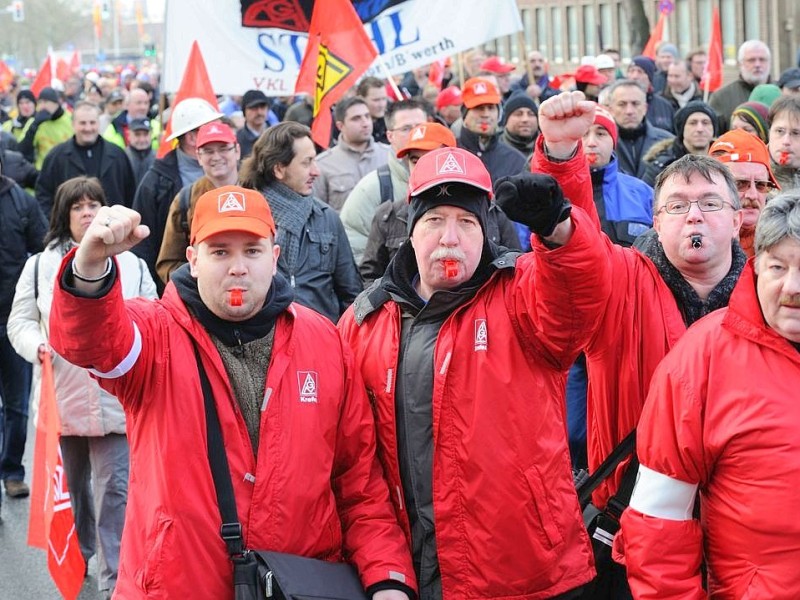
(259, 573)
(603, 525)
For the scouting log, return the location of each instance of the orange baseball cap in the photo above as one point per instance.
(231, 208)
(478, 91)
(738, 145)
(428, 136)
(214, 132)
(449, 165)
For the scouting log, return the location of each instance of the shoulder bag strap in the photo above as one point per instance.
(385, 181)
(231, 530)
(608, 466)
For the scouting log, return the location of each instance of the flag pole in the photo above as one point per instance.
(385, 75)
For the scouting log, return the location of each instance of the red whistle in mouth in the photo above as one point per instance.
(591, 158)
(235, 298)
(484, 127)
(784, 159)
(451, 269)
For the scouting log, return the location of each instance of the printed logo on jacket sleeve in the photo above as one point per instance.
(481, 335)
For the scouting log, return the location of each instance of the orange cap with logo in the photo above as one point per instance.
(231, 208)
(428, 136)
(738, 145)
(478, 91)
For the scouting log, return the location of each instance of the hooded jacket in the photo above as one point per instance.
(722, 417)
(315, 488)
(502, 497)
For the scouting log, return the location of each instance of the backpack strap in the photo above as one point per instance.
(36, 277)
(385, 181)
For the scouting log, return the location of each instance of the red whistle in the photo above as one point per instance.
(784, 159)
(484, 127)
(591, 158)
(451, 269)
(235, 297)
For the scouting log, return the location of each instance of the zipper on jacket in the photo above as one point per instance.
(239, 350)
(291, 280)
(268, 584)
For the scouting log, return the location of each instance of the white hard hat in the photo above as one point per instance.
(191, 113)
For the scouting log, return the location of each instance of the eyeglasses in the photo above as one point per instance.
(762, 187)
(404, 128)
(213, 151)
(681, 207)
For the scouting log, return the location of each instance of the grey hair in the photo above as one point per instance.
(779, 219)
(624, 83)
(688, 165)
(751, 45)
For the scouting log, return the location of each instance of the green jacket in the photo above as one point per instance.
(49, 135)
(114, 135)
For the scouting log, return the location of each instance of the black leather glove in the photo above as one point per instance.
(534, 200)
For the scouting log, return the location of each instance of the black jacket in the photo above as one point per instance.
(632, 147)
(153, 197)
(20, 170)
(22, 231)
(660, 112)
(499, 158)
(64, 162)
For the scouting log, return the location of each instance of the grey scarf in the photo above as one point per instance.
(290, 211)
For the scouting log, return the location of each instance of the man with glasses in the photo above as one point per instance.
(687, 267)
(747, 159)
(754, 60)
(388, 182)
(218, 153)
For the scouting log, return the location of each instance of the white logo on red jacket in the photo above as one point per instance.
(307, 381)
(481, 335)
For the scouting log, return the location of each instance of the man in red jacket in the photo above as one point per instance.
(464, 347)
(298, 431)
(722, 417)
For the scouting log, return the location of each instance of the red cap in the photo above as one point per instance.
(589, 74)
(495, 64)
(603, 118)
(449, 165)
(231, 208)
(449, 96)
(215, 132)
(428, 136)
(478, 91)
(738, 145)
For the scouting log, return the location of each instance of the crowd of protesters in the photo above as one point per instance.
(417, 336)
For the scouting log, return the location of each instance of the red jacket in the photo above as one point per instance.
(639, 324)
(507, 521)
(722, 415)
(316, 488)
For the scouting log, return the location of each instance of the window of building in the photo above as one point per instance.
(541, 31)
(752, 19)
(624, 34)
(558, 41)
(573, 35)
(589, 32)
(727, 21)
(607, 27)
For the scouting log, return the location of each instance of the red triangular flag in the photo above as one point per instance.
(655, 37)
(6, 77)
(51, 525)
(712, 72)
(75, 63)
(194, 84)
(62, 70)
(44, 77)
(338, 52)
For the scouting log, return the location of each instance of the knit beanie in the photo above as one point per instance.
(451, 194)
(692, 107)
(766, 93)
(519, 100)
(757, 115)
(26, 94)
(645, 64)
(604, 118)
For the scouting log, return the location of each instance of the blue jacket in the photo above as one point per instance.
(627, 209)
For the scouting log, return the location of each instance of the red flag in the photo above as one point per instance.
(6, 77)
(44, 77)
(655, 37)
(712, 72)
(436, 73)
(62, 70)
(51, 525)
(195, 84)
(338, 52)
(74, 63)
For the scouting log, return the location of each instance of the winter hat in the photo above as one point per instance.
(645, 64)
(790, 78)
(519, 100)
(757, 115)
(604, 118)
(692, 107)
(452, 177)
(669, 49)
(26, 94)
(50, 94)
(766, 93)
(738, 145)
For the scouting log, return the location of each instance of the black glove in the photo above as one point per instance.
(534, 200)
(41, 116)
